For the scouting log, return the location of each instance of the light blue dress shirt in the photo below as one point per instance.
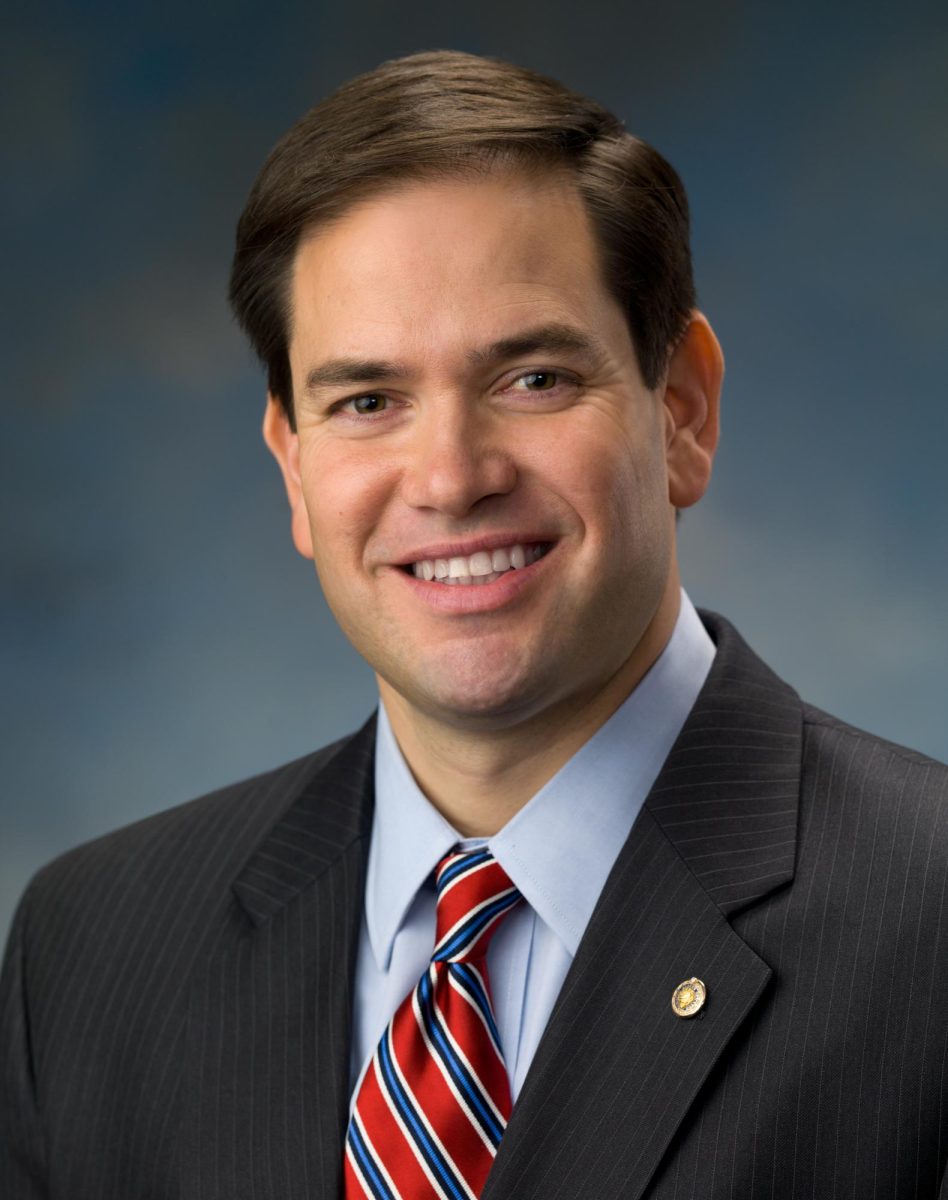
(558, 850)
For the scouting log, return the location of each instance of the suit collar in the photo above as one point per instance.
(327, 807)
(728, 794)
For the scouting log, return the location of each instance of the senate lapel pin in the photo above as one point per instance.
(688, 998)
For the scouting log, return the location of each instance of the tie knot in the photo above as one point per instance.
(474, 895)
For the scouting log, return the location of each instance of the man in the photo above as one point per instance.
(596, 906)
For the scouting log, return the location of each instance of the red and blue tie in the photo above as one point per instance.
(435, 1100)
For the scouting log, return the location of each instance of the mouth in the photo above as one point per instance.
(482, 567)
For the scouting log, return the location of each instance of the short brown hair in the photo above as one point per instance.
(446, 113)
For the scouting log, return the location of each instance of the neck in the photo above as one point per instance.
(478, 780)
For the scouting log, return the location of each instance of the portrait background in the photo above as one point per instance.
(161, 637)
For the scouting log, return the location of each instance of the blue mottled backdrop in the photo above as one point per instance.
(160, 635)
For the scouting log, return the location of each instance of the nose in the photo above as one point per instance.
(457, 459)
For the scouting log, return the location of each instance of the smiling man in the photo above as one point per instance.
(492, 519)
(594, 905)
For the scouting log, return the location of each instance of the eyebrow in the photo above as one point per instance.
(554, 338)
(551, 339)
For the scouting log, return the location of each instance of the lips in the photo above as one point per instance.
(481, 567)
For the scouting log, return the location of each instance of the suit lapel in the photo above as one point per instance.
(616, 1071)
(269, 1022)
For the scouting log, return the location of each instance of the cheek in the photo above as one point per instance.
(343, 496)
(617, 489)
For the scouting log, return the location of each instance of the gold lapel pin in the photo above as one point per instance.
(688, 998)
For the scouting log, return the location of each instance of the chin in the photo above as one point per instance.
(477, 692)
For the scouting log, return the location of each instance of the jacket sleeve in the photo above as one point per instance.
(22, 1157)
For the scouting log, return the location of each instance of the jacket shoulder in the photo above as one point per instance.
(832, 730)
(186, 855)
(903, 783)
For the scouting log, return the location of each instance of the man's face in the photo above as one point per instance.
(479, 470)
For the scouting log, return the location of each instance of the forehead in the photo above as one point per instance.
(448, 263)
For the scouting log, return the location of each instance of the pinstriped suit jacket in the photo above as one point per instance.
(176, 997)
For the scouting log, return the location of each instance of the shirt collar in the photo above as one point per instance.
(561, 846)
(409, 838)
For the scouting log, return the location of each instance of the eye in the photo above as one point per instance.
(539, 381)
(364, 406)
(557, 385)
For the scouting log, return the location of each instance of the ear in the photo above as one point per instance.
(692, 396)
(284, 444)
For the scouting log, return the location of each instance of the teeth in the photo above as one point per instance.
(481, 563)
(479, 568)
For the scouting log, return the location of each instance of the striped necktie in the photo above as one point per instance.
(434, 1102)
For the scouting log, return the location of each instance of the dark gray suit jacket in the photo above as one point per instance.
(176, 997)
